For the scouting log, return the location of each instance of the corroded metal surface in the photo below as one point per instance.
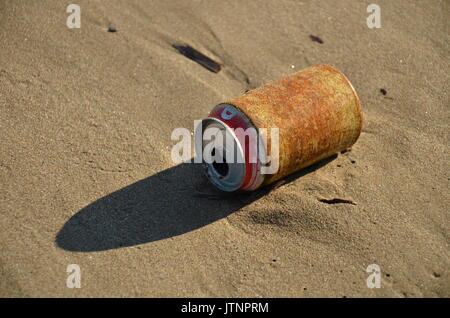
(317, 111)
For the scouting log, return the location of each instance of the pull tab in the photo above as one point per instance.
(228, 113)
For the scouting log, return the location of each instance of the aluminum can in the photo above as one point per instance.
(315, 111)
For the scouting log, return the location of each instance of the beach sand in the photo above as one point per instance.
(86, 175)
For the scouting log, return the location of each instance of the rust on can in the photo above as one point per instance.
(316, 111)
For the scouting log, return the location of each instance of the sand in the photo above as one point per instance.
(86, 175)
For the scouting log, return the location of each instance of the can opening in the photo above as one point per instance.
(222, 168)
(227, 175)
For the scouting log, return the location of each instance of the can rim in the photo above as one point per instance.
(236, 171)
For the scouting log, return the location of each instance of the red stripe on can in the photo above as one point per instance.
(234, 119)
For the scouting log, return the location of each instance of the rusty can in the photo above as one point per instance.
(315, 113)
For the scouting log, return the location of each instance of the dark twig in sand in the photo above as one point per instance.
(336, 201)
(198, 57)
(316, 39)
